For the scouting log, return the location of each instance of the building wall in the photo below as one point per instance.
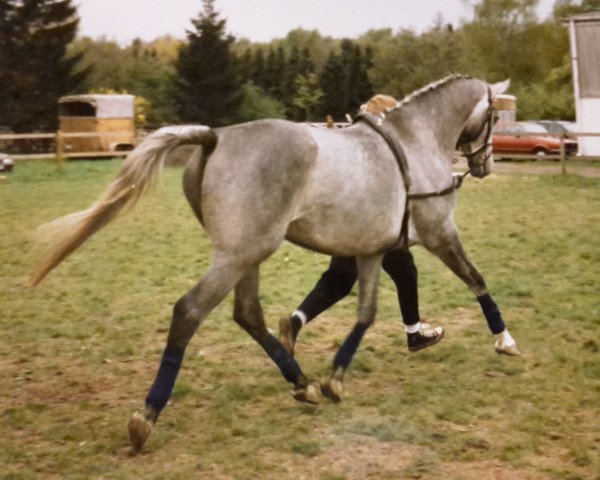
(585, 54)
(588, 120)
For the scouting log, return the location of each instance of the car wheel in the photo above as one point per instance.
(540, 153)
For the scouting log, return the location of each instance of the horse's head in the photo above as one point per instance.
(476, 138)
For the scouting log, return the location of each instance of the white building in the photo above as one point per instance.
(584, 32)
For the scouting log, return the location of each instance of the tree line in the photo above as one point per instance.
(215, 79)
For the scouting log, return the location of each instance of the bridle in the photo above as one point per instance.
(474, 157)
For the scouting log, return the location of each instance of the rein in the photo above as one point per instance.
(400, 156)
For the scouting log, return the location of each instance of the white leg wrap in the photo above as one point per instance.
(301, 315)
(413, 328)
(506, 344)
(506, 339)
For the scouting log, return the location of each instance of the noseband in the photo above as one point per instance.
(489, 123)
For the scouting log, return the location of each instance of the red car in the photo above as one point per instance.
(525, 138)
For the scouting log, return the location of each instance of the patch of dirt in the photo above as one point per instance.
(484, 471)
(351, 457)
(35, 382)
(358, 457)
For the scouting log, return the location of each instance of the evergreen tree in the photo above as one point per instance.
(259, 75)
(306, 66)
(333, 86)
(274, 76)
(344, 81)
(360, 85)
(299, 75)
(292, 69)
(245, 63)
(35, 69)
(208, 87)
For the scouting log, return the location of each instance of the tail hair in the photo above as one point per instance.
(64, 235)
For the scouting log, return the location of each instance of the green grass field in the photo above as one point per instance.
(78, 353)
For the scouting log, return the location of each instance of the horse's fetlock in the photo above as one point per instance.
(151, 414)
(301, 382)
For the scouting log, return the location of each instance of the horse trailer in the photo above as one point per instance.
(110, 116)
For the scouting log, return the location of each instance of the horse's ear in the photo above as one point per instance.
(500, 87)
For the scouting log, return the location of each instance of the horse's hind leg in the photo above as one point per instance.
(451, 252)
(368, 280)
(248, 314)
(188, 314)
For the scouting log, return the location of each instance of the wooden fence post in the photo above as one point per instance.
(59, 140)
(563, 163)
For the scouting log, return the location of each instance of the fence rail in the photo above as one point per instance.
(60, 152)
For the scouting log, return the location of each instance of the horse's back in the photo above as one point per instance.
(333, 191)
(353, 200)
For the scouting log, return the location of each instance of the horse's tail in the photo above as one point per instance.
(63, 236)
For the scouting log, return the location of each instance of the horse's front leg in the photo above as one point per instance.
(368, 281)
(449, 249)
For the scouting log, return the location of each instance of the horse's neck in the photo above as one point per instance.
(433, 116)
(428, 128)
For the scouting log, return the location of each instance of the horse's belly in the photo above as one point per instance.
(348, 237)
(351, 205)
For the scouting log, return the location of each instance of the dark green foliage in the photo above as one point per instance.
(136, 69)
(257, 104)
(287, 78)
(566, 8)
(344, 80)
(208, 86)
(35, 69)
(213, 79)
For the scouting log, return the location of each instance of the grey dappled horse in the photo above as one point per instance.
(335, 191)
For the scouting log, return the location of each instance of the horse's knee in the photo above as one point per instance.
(184, 323)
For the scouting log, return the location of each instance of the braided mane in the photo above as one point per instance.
(427, 88)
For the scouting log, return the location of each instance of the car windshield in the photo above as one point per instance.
(569, 126)
(533, 128)
(553, 127)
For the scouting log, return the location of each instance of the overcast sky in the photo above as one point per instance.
(263, 20)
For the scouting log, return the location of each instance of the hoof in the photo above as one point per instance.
(286, 336)
(332, 389)
(503, 349)
(309, 394)
(139, 428)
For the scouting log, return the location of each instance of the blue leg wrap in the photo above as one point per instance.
(344, 355)
(492, 314)
(287, 365)
(165, 378)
